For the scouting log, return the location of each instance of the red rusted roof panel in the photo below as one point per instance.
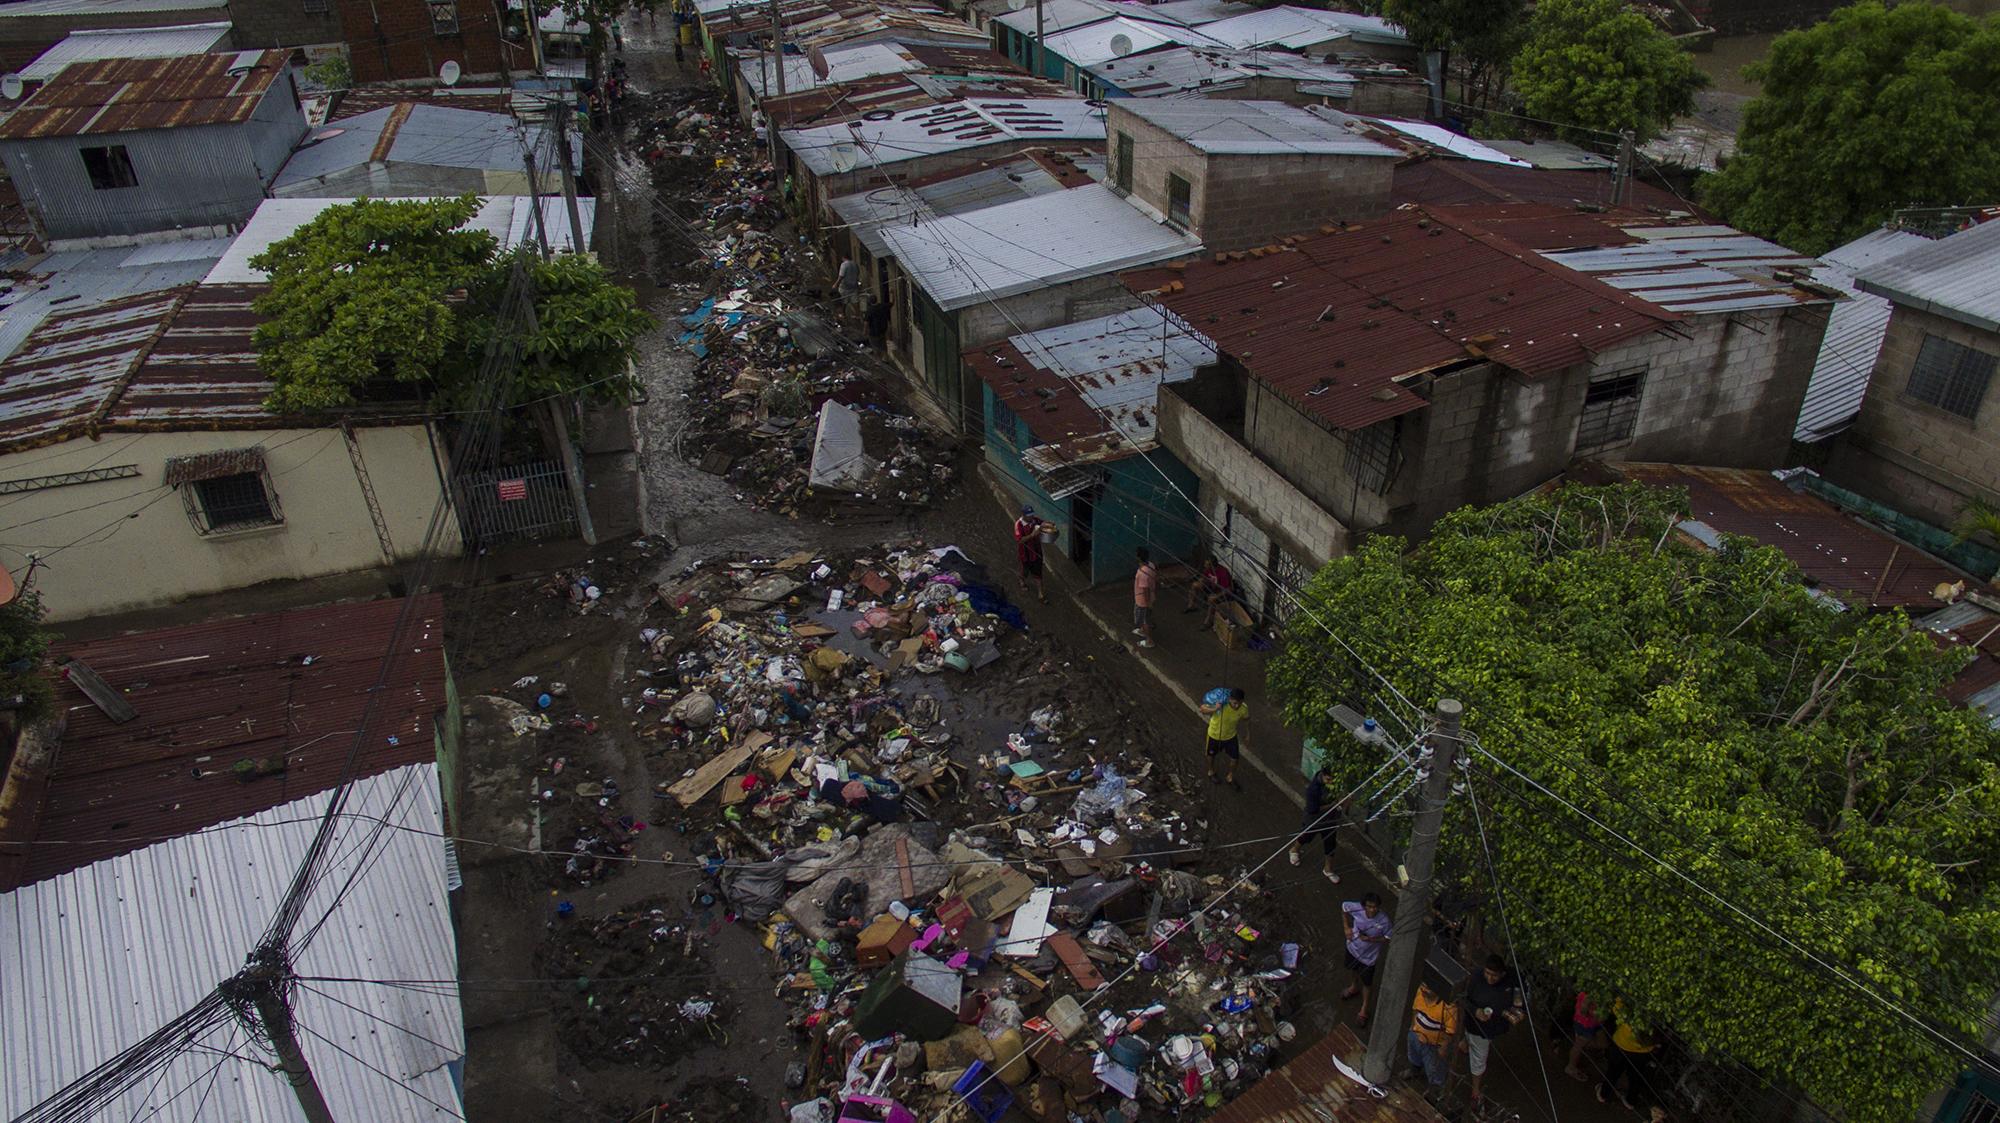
(124, 94)
(1448, 182)
(1309, 1089)
(285, 685)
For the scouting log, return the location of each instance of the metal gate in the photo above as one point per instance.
(518, 501)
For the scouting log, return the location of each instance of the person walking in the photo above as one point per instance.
(1586, 1035)
(847, 281)
(1028, 551)
(1433, 1024)
(1322, 822)
(1145, 582)
(1225, 737)
(1368, 929)
(1493, 1002)
(1625, 1062)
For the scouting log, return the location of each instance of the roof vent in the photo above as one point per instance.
(245, 62)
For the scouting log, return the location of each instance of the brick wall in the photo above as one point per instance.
(1301, 525)
(398, 41)
(1915, 457)
(283, 23)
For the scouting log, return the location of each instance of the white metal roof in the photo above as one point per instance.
(1437, 136)
(1177, 69)
(1017, 247)
(1117, 363)
(126, 42)
(96, 959)
(1225, 127)
(30, 8)
(844, 64)
(1060, 15)
(1115, 38)
(509, 218)
(436, 136)
(1195, 13)
(1853, 333)
(75, 279)
(1301, 28)
(1696, 269)
(1956, 277)
(867, 212)
(935, 129)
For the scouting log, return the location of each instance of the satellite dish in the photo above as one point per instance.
(1121, 45)
(1016, 5)
(10, 87)
(817, 58)
(449, 72)
(8, 589)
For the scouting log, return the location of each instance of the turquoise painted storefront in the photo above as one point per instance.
(1141, 500)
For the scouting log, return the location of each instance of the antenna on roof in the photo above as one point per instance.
(10, 87)
(1121, 45)
(449, 72)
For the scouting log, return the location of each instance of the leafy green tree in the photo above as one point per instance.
(1799, 761)
(1597, 66)
(23, 645)
(1868, 111)
(1484, 34)
(380, 298)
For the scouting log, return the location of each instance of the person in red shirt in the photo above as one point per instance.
(1145, 581)
(1214, 586)
(1028, 551)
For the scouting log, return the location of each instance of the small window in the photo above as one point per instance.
(235, 502)
(1951, 376)
(444, 17)
(1124, 170)
(109, 168)
(1610, 409)
(1178, 198)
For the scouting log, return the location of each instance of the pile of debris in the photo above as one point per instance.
(633, 985)
(966, 913)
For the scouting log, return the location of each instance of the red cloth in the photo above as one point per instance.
(1027, 539)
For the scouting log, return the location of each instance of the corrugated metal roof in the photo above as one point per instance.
(1195, 13)
(1835, 551)
(291, 685)
(202, 372)
(1697, 268)
(867, 212)
(1334, 320)
(71, 280)
(1554, 155)
(1301, 28)
(69, 370)
(1309, 1089)
(1061, 15)
(988, 77)
(844, 64)
(28, 9)
(1226, 127)
(1439, 137)
(951, 127)
(125, 42)
(1180, 69)
(509, 218)
(97, 959)
(1033, 243)
(1454, 183)
(1953, 277)
(416, 133)
(1853, 334)
(1117, 37)
(1090, 389)
(367, 99)
(122, 94)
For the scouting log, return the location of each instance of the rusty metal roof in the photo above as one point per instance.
(124, 94)
(1834, 550)
(841, 103)
(69, 370)
(288, 686)
(1340, 321)
(1308, 1089)
(1449, 182)
(367, 99)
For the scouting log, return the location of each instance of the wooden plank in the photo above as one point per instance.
(1075, 961)
(903, 868)
(100, 693)
(689, 790)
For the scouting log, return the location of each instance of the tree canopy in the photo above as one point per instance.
(1483, 33)
(1799, 761)
(1868, 111)
(1598, 66)
(23, 643)
(374, 294)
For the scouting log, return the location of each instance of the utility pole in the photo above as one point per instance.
(535, 195)
(1036, 69)
(576, 240)
(1621, 173)
(262, 985)
(778, 47)
(1399, 961)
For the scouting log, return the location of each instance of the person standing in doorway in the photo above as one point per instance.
(1368, 929)
(1322, 822)
(1493, 1003)
(878, 325)
(1433, 1024)
(1225, 737)
(1145, 582)
(847, 282)
(1028, 552)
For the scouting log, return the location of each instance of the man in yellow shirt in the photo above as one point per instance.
(1433, 1024)
(1225, 720)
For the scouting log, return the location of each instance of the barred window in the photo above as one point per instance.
(1373, 454)
(1179, 196)
(1951, 376)
(1122, 171)
(444, 17)
(1610, 409)
(232, 503)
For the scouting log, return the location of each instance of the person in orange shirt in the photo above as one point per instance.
(1145, 582)
(1433, 1025)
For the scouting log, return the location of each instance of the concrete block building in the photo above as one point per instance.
(1378, 376)
(1244, 173)
(1927, 439)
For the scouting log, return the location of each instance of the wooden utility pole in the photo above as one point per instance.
(577, 242)
(535, 196)
(1621, 173)
(1397, 972)
(778, 47)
